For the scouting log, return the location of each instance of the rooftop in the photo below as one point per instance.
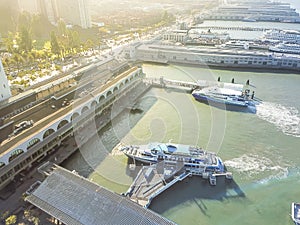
(74, 200)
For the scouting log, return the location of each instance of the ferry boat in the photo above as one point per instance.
(286, 48)
(283, 35)
(236, 44)
(296, 213)
(189, 156)
(223, 95)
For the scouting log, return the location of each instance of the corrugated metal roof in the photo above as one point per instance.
(74, 200)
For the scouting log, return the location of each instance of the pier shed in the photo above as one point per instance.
(74, 200)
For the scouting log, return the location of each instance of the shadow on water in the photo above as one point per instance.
(109, 136)
(194, 190)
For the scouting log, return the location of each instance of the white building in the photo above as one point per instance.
(4, 87)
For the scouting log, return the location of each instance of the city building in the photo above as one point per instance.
(49, 9)
(4, 87)
(74, 12)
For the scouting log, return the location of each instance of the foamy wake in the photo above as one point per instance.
(253, 165)
(287, 119)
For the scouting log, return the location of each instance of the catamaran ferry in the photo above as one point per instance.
(189, 156)
(229, 94)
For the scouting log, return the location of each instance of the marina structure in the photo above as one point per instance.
(231, 58)
(73, 200)
(253, 11)
(171, 163)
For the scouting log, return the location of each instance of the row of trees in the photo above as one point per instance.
(24, 52)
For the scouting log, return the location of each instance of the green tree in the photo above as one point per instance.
(89, 44)
(25, 43)
(25, 20)
(11, 220)
(18, 59)
(62, 28)
(74, 40)
(55, 48)
(9, 42)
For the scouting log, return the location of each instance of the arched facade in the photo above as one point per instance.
(15, 154)
(94, 104)
(98, 99)
(48, 132)
(61, 124)
(101, 98)
(74, 115)
(32, 143)
(84, 109)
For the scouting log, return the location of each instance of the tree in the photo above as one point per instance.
(55, 48)
(25, 43)
(11, 220)
(62, 28)
(74, 40)
(9, 42)
(18, 59)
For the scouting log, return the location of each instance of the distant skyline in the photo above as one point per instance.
(74, 12)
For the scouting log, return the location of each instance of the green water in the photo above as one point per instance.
(261, 149)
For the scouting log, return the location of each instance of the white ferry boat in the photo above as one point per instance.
(296, 213)
(194, 34)
(286, 48)
(283, 35)
(224, 95)
(190, 156)
(236, 44)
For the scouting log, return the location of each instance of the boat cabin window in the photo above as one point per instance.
(171, 148)
(154, 151)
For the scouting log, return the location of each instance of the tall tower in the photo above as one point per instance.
(48, 8)
(4, 88)
(75, 12)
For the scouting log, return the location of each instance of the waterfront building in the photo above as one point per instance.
(5, 92)
(254, 11)
(239, 58)
(74, 200)
(176, 35)
(22, 150)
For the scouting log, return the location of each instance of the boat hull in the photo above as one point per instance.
(213, 101)
(296, 213)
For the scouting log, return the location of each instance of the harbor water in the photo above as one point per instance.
(261, 148)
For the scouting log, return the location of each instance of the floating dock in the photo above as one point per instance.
(154, 179)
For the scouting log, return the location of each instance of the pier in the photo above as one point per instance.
(186, 85)
(229, 28)
(178, 84)
(152, 180)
